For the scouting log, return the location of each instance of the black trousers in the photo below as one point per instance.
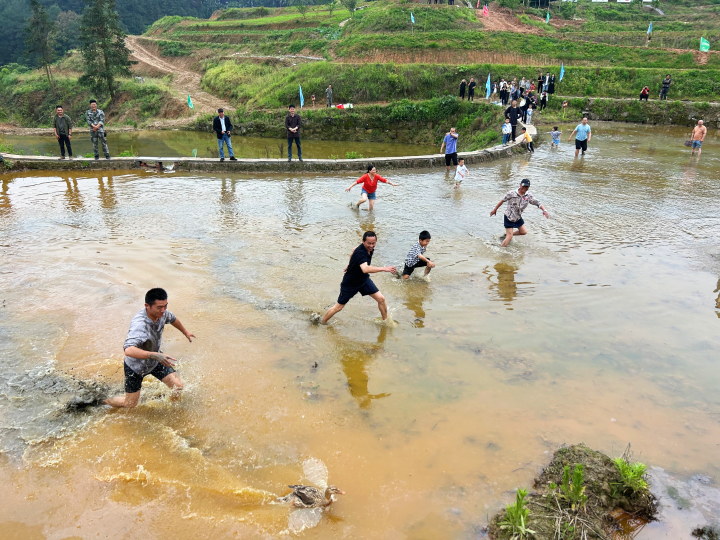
(64, 141)
(645, 97)
(513, 135)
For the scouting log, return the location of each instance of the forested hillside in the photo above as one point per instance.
(135, 16)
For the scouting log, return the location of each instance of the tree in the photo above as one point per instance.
(350, 6)
(67, 27)
(104, 53)
(331, 5)
(301, 6)
(39, 39)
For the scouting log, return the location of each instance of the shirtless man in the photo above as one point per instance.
(697, 137)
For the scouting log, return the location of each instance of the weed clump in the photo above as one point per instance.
(576, 494)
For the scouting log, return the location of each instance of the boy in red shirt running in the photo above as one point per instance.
(370, 184)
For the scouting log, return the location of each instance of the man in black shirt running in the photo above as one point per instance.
(357, 280)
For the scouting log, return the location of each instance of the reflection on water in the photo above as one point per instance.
(503, 285)
(356, 358)
(428, 425)
(74, 200)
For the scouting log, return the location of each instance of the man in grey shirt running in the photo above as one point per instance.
(142, 349)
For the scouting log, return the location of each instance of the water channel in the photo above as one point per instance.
(600, 326)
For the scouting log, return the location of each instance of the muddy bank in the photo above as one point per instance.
(580, 494)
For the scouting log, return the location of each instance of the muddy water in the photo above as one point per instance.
(182, 144)
(600, 326)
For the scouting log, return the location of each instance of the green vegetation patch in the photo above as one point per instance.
(174, 48)
(394, 18)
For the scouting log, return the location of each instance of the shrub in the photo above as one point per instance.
(174, 48)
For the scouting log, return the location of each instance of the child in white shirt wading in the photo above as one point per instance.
(460, 173)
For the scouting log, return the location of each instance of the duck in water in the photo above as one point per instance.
(310, 497)
(321, 496)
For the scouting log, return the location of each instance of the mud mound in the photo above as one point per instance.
(551, 514)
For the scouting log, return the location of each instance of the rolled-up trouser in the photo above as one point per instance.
(94, 137)
(64, 142)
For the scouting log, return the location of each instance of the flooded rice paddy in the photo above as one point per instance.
(182, 144)
(600, 326)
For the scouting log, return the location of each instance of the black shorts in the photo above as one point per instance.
(581, 145)
(408, 270)
(513, 224)
(133, 381)
(451, 157)
(346, 293)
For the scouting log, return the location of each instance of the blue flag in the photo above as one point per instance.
(562, 70)
(302, 99)
(487, 87)
(649, 28)
(412, 18)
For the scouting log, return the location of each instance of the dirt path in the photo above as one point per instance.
(184, 81)
(502, 20)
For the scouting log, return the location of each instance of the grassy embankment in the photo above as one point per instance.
(384, 27)
(404, 121)
(27, 100)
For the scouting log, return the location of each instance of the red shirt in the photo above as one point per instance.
(370, 185)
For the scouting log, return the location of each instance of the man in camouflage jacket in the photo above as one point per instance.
(96, 120)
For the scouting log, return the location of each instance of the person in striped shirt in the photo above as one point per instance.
(416, 257)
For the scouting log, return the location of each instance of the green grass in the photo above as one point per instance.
(312, 17)
(394, 18)
(269, 86)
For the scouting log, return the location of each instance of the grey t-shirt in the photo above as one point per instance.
(146, 334)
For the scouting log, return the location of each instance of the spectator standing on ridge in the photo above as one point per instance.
(543, 101)
(541, 78)
(665, 87)
(62, 127)
(645, 93)
(292, 125)
(513, 113)
(583, 136)
(96, 120)
(222, 126)
(697, 137)
(551, 85)
(328, 96)
(449, 144)
(471, 89)
(462, 89)
(546, 82)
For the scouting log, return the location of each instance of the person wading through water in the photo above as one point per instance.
(142, 350)
(518, 201)
(357, 278)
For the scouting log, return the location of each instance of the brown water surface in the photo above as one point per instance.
(599, 326)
